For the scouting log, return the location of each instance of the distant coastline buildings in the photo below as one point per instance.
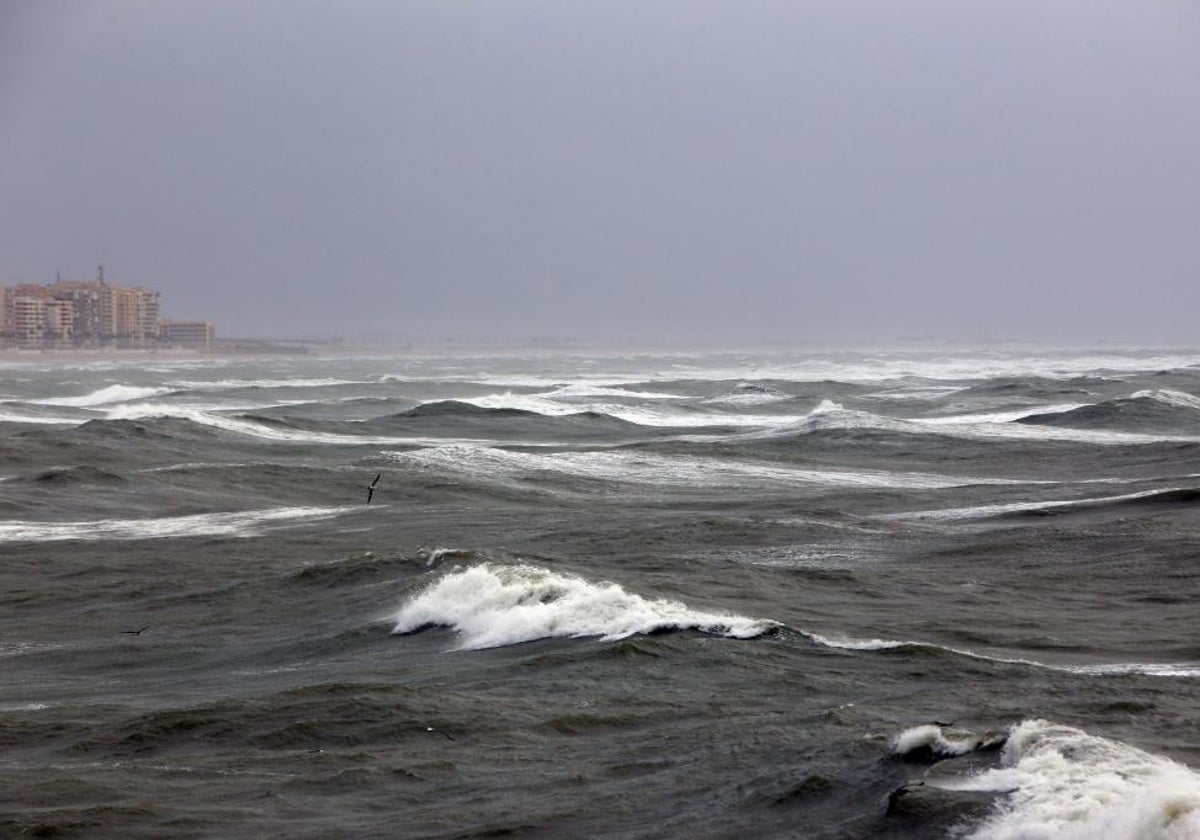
(92, 315)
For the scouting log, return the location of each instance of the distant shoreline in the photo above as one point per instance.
(260, 349)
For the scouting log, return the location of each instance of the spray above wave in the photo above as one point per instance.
(932, 742)
(1064, 784)
(493, 605)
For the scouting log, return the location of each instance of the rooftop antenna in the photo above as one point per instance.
(101, 275)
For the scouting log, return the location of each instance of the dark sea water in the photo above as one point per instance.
(668, 596)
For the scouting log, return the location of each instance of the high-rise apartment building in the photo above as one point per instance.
(89, 313)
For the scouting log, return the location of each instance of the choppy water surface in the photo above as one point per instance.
(721, 596)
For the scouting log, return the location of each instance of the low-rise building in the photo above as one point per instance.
(193, 335)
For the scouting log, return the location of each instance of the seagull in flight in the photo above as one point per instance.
(136, 632)
(371, 488)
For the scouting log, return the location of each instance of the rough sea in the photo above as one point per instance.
(924, 594)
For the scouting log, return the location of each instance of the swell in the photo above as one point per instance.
(1147, 411)
(451, 418)
(312, 717)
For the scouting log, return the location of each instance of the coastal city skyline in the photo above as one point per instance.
(93, 314)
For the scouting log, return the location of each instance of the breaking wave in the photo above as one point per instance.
(936, 741)
(493, 605)
(1061, 783)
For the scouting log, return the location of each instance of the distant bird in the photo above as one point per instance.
(371, 488)
(440, 732)
(136, 632)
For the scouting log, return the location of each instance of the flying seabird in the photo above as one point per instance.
(440, 732)
(136, 632)
(371, 488)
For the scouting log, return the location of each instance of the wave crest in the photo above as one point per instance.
(493, 605)
(1068, 785)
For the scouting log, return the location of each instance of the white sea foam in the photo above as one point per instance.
(537, 403)
(662, 470)
(936, 739)
(809, 556)
(1065, 784)
(886, 366)
(976, 511)
(109, 395)
(248, 523)
(1149, 669)
(747, 393)
(974, 427)
(251, 428)
(643, 415)
(22, 648)
(231, 384)
(492, 605)
(577, 390)
(913, 392)
(15, 416)
(1001, 416)
(1179, 399)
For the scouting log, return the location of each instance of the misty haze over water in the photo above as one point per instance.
(661, 172)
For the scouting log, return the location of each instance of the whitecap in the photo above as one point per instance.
(9, 416)
(1002, 416)
(936, 740)
(663, 470)
(831, 416)
(1167, 396)
(977, 511)
(1149, 669)
(251, 428)
(644, 415)
(231, 384)
(493, 605)
(748, 393)
(576, 390)
(109, 395)
(1062, 783)
(248, 523)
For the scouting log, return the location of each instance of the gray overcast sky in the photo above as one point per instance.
(857, 169)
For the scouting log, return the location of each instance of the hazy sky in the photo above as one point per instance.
(857, 169)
